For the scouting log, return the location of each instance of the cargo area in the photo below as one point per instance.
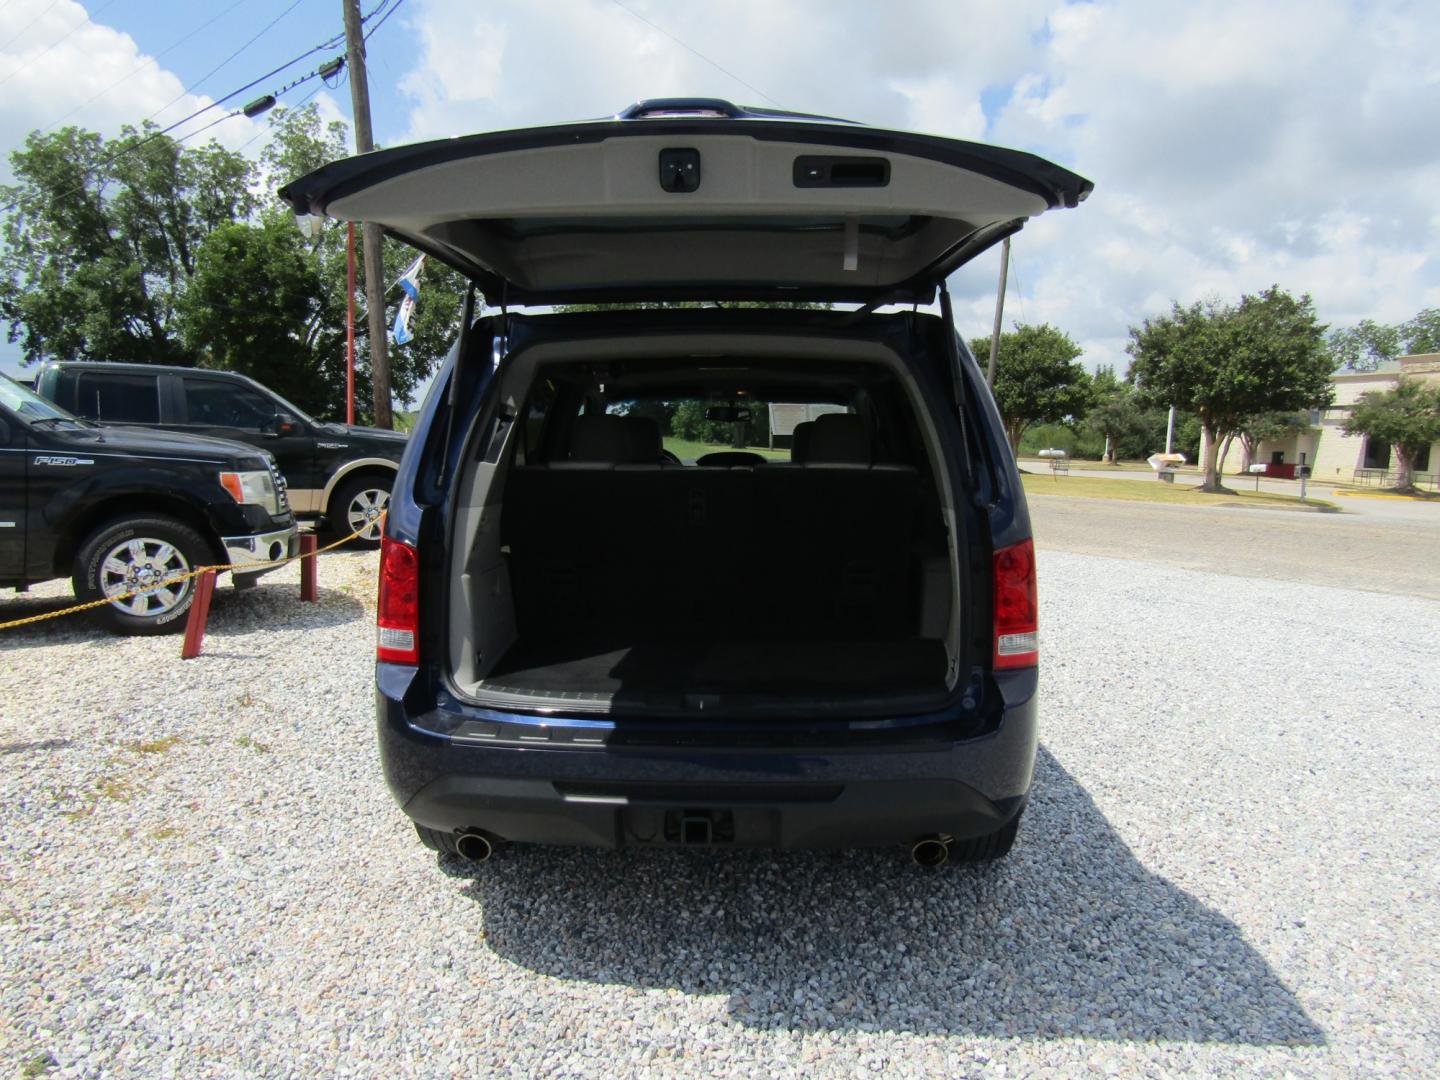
(605, 572)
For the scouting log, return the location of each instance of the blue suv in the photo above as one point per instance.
(708, 532)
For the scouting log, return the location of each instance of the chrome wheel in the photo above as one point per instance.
(147, 564)
(362, 513)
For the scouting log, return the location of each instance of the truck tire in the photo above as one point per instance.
(358, 502)
(130, 552)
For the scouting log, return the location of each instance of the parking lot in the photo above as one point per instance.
(1229, 863)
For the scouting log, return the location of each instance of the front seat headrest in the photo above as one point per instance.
(643, 439)
(800, 440)
(597, 437)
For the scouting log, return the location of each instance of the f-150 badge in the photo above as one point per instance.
(53, 459)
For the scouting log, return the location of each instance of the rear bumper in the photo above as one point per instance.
(549, 788)
(251, 555)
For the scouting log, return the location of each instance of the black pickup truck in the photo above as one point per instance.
(339, 473)
(120, 510)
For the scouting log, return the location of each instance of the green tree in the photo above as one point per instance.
(1407, 417)
(101, 237)
(1266, 427)
(688, 422)
(1422, 333)
(1229, 362)
(255, 305)
(1037, 378)
(300, 142)
(1364, 347)
(1116, 415)
(1369, 344)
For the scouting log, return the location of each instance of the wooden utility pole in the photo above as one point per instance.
(999, 313)
(371, 238)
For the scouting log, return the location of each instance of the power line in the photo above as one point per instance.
(329, 68)
(328, 43)
(267, 28)
(381, 23)
(697, 52)
(134, 146)
(21, 32)
(298, 105)
(89, 19)
(146, 63)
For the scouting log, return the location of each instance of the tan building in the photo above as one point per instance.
(1334, 455)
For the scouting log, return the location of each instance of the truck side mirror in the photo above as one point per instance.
(284, 424)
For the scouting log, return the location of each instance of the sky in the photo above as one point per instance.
(1233, 145)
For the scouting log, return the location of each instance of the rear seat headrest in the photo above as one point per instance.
(597, 437)
(838, 439)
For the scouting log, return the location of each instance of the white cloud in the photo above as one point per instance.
(1233, 145)
(62, 67)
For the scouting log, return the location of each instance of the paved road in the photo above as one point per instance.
(1391, 555)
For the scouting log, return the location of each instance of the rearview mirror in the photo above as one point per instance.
(727, 414)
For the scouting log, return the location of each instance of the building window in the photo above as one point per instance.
(1377, 454)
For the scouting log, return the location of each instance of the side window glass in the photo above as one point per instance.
(118, 399)
(222, 405)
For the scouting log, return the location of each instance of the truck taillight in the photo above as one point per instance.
(398, 618)
(1017, 613)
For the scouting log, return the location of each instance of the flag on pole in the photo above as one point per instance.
(410, 283)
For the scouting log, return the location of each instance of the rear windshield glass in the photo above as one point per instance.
(718, 411)
(691, 428)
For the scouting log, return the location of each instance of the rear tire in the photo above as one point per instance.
(359, 502)
(130, 552)
(436, 840)
(984, 849)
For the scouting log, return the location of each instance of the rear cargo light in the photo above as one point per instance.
(398, 618)
(1017, 615)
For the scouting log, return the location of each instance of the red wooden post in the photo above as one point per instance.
(199, 613)
(309, 584)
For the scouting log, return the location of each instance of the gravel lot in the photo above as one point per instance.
(1230, 865)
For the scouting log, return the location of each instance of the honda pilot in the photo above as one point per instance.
(708, 532)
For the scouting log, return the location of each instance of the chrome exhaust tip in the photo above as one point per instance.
(931, 851)
(474, 846)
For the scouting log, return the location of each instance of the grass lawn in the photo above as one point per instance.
(1095, 487)
(689, 451)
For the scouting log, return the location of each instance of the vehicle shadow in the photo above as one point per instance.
(1069, 937)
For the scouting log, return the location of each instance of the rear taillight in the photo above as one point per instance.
(1017, 615)
(398, 619)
